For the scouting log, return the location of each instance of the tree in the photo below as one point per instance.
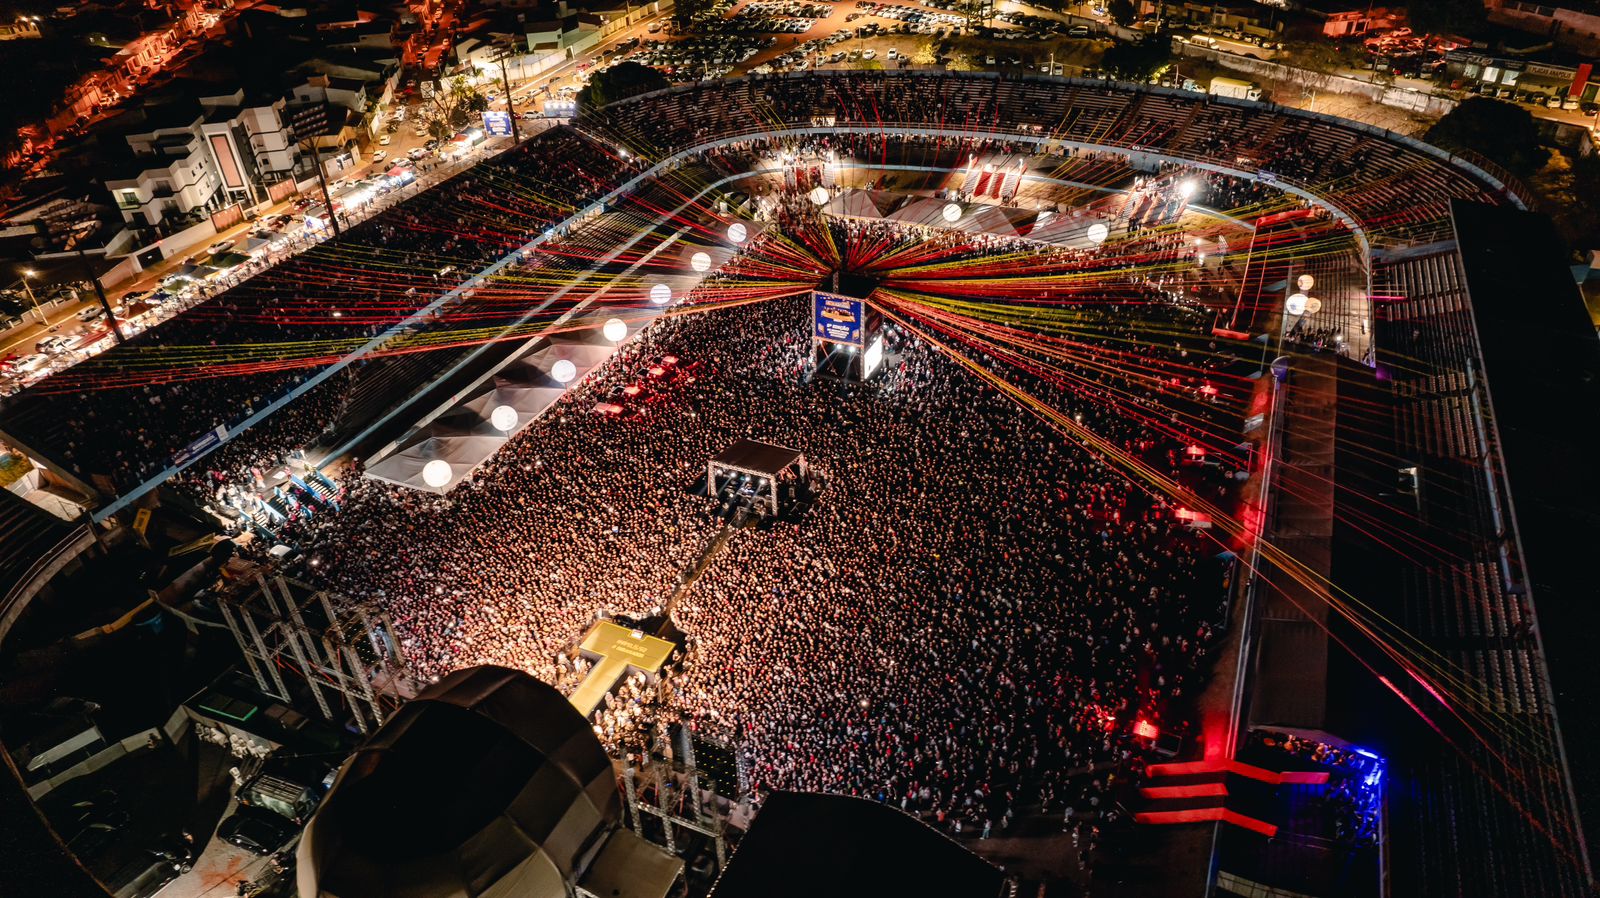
(1502, 132)
(1123, 12)
(619, 82)
(1139, 62)
(1569, 188)
(683, 13)
(1445, 16)
(452, 107)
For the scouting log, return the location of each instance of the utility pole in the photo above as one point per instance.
(27, 275)
(322, 179)
(101, 292)
(511, 111)
(308, 124)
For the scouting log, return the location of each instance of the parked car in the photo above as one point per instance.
(53, 344)
(30, 363)
(220, 247)
(384, 140)
(92, 313)
(380, 155)
(257, 830)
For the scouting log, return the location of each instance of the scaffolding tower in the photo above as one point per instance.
(336, 647)
(679, 773)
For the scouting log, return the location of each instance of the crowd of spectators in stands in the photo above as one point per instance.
(155, 394)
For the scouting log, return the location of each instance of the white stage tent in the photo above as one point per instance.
(464, 434)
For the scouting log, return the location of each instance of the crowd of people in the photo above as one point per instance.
(966, 624)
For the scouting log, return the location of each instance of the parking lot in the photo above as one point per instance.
(764, 36)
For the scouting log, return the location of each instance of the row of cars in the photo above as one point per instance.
(692, 57)
(917, 19)
(775, 18)
(800, 56)
(1033, 27)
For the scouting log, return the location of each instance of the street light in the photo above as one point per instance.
(27, 276)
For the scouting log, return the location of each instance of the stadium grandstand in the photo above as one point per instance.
(1204, 514)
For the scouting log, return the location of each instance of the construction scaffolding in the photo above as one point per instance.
(336, 647)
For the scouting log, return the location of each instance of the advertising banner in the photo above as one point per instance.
(837, 319)
(497, 124)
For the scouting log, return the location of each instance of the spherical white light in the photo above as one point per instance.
(1313, 306)
(1098, 232)
(700, 261)
(661, 294)
(1305, 282)
(615, 329)
(951, 212)
(563, 371)
(1296, 304)
(737, 232)
(1187, 188)
(819, 195)
(436, 473)
(504, 418)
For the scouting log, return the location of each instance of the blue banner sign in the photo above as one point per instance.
(497, 123)
(837, 319)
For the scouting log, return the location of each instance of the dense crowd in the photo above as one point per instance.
(966, 624)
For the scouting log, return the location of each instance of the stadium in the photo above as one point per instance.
(1142, 492)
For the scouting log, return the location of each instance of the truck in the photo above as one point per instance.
(1233, 87)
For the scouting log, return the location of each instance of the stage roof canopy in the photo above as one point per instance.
(755, 457)
(488, 785)
(805, 844)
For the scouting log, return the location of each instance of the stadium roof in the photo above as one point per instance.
(805, 844)
(1542, 369)
(756, 457)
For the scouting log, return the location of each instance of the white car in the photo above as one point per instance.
(383, 140)
(868, 54)
(220, 247)
(380, 155)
